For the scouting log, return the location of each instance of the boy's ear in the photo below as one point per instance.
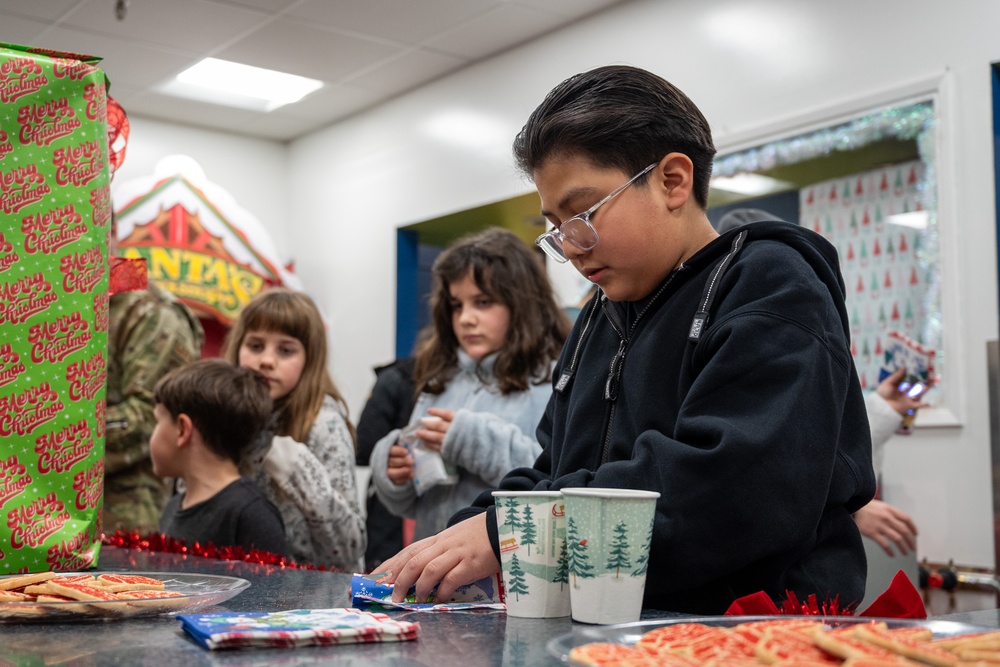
(675, 175)
(185, 429)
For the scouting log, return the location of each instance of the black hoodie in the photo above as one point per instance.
(755, 434)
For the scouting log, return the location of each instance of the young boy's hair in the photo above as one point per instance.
(228, 405)
(507, 270)
(294, 314)
(618, 117)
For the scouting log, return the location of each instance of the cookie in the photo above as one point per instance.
(15, 596)
(65, 604)
(920, 651)
(778, 645)
(22, 580)
(82, 591)
(117, 583)
(603, 654)
(157, 599)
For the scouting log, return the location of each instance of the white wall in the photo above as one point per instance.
(752, 66)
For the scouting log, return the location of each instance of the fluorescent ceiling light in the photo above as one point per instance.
(233, 84)
(750, 184)
(914, 219)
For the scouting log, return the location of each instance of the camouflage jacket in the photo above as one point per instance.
(150, 333)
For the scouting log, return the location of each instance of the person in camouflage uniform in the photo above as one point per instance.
(150, 333)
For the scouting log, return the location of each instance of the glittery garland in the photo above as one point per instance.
(157, 542)
(812, 607)
(912, 122)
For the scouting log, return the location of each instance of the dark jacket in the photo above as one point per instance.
(388, 407)
(755, 435)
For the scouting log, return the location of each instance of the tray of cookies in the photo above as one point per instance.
(766, 640)
(57, 597)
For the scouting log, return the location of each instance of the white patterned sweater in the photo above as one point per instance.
(315, 491)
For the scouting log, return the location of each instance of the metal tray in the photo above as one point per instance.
(629, 633)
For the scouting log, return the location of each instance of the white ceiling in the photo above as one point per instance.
(366, 51)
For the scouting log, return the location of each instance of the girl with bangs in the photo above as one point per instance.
(483, 377)
(304, 463)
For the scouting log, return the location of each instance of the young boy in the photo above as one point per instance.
(207, 414)
(715, 370)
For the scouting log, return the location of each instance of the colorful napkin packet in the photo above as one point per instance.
(368, 590)
(297, 627)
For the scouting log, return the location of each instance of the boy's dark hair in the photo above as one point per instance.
(618, 117)
(228, 405)
(506, 269)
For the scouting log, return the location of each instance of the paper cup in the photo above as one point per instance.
(532, 528)
(608, 533)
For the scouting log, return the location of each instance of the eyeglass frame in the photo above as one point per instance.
(548, 241)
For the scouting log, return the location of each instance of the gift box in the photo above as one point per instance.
(55, 213)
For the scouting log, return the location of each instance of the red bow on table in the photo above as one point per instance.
(899, 600)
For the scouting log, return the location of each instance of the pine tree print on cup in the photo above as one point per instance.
(579, 562)
(517, 584)
(531, 526)
(608, 537)
(619, 549)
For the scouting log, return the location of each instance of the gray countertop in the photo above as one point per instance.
(469, 639)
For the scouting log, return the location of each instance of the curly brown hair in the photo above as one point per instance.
(507, 270)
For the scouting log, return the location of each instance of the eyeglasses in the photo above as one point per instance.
(579, 230)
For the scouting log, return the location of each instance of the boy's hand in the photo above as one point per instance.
(400, 468)
(454, 557)
(435, 428)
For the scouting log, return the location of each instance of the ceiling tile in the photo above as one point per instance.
(409, 70)
(184, 24)
(366, 51)
(281, 127)
(16, 30)
(569, 8)
(129, 63)
(48, 10)
(402, 21)
(496, 31)
(332, 101)
(269, 6)
(184, 111)
(307, 51)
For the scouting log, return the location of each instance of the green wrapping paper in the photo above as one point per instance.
(55, 213)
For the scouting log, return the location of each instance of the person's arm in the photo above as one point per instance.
(456, 556)
(400, 499)
(469, 549)
(319, 480)
(155, 340)
(883, 421)
(887, 525)
(488, 446)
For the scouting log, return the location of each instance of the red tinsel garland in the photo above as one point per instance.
(812, 607)
(164, 543)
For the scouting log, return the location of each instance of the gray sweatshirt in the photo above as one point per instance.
(491, 435)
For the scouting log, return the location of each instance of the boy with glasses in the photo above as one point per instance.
(713, 369)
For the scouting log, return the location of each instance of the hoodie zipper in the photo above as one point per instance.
(567, 373)
(613, 383)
